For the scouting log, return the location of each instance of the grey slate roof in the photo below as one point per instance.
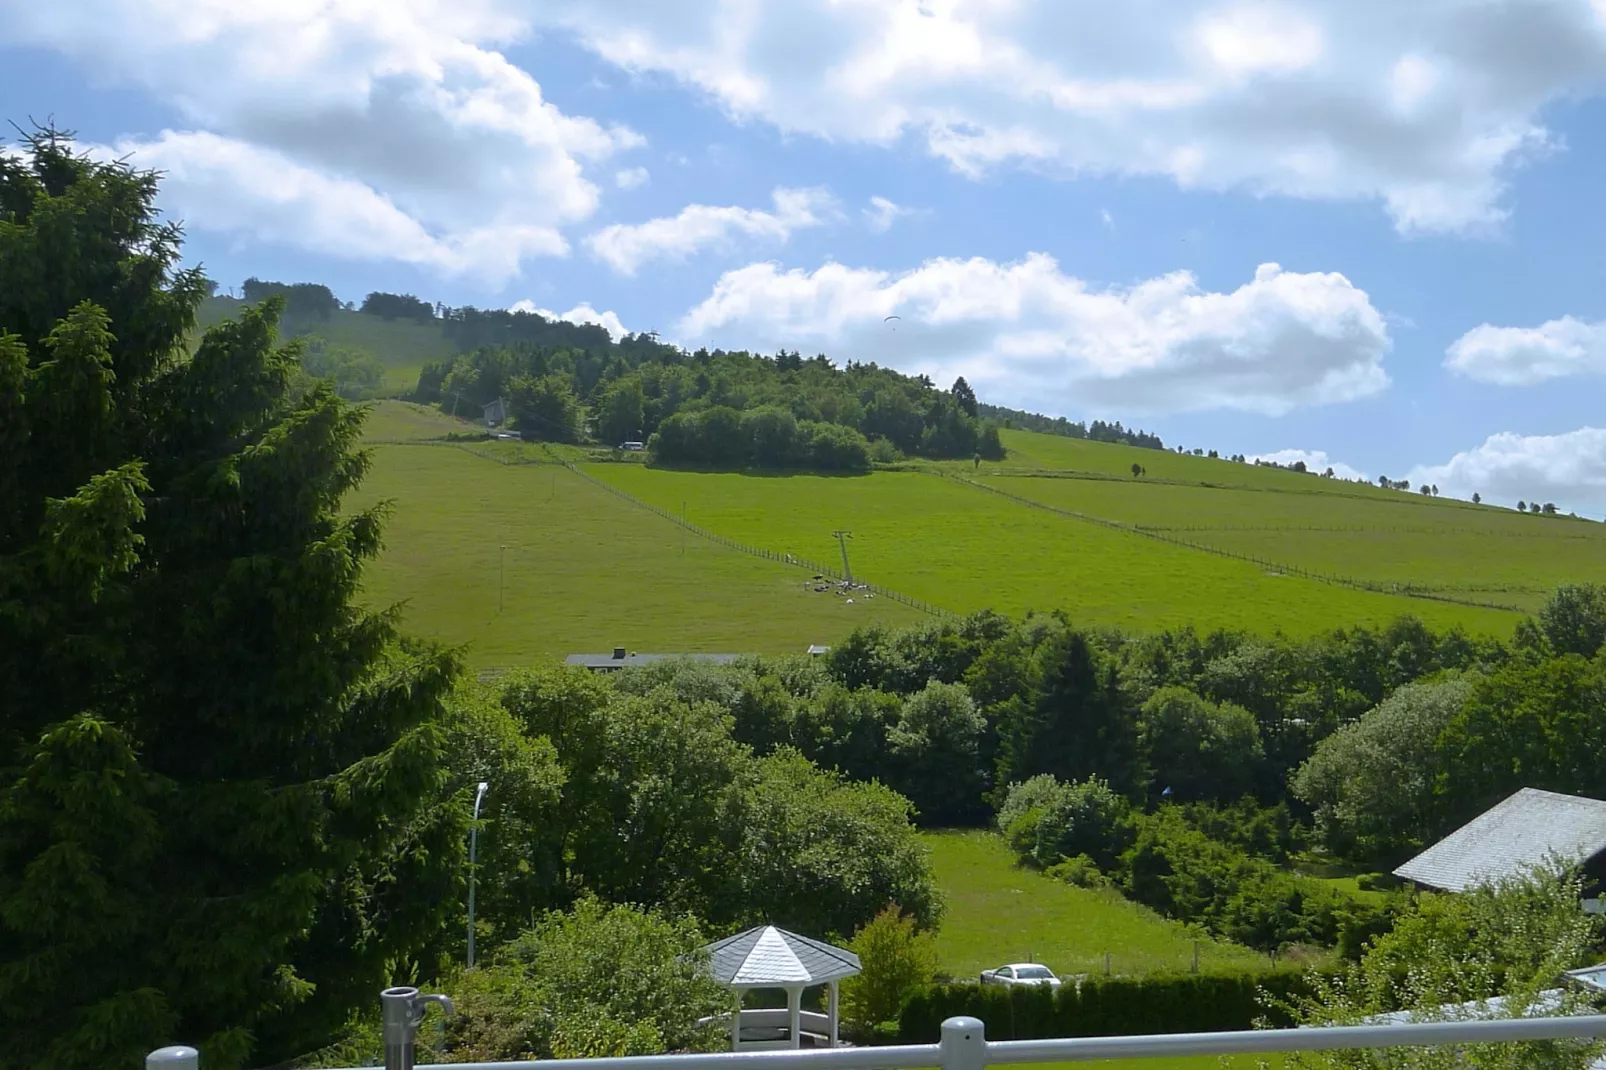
(608, 661)
(766, 957)
(1521, 831)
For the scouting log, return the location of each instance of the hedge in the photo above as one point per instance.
(1103, 1006)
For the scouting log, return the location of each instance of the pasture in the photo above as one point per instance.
(999, 912)
(582, 571)
(402, 346)
(963, 549)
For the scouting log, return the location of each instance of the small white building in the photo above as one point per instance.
(767, 957)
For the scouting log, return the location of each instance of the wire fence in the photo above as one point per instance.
(815, 567)
(1281, 568)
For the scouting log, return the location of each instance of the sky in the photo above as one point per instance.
(1363, 234)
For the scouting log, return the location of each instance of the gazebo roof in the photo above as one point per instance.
(767, 957)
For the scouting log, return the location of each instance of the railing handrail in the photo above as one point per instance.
(964, 1046)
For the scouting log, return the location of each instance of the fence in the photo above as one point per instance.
(964, 1044)
(1293, 570)
(754, 551)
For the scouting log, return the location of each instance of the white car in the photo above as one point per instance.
(1021, 973)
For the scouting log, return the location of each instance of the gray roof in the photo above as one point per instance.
(767, 957)
(1524, 830)
(608, 661)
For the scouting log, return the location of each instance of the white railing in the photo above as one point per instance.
(964, 1045)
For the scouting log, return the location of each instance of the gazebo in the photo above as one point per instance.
(767, 957)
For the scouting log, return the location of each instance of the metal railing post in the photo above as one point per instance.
(963, 1045)
(403, 1010)
(175, 1057)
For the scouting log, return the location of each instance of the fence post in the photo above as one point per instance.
(403, 1010)
(964, 1044)
(176, 1057)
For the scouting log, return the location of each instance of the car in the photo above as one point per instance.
(1021, 973)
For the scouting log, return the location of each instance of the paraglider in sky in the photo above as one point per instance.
(889, 319)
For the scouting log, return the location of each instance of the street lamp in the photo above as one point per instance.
(473, 851)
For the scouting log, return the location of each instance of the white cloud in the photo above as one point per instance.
(1107, 218)
(1026, 334)
(1422, 107)
(235, 187)
(465, 164)
(626, 246)
(1568, 469)
(882, 213)
(1315, 461)
(1518, 356)
(631, 177)
(581, 313)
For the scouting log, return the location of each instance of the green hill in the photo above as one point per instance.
(1056, 525)
(402, 346)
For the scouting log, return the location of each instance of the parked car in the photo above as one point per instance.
(1020, 973)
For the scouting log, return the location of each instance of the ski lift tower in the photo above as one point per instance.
(842, 538)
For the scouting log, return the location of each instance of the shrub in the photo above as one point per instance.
(1045, 821)
(897, 959)
(1080, 871)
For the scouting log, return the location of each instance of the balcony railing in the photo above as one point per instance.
(964, 1045)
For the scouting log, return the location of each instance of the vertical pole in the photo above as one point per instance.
(833, 1009)
(399, 1027)
(501, 573)
(963, 1045)
(176, 1057)
(473, 865)
(736, 1023)
(794, 1007)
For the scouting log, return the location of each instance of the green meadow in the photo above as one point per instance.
(961, 548)
(581, 572)
(999, 912)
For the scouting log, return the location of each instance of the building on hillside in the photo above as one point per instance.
(622, 659)
(816, 649)
(495, 413)
(1527, 829)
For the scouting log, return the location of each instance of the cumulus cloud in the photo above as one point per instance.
(1424, 108)
(232, 186)
(1027, 334)
(581, 313)
(881, 213)
(1518, 356)
(625, 247)
(1315, 460)
(631, 177)
(406, 110)
(1568, 469)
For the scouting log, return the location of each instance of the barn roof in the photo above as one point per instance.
(1522, 831)
(767, 957)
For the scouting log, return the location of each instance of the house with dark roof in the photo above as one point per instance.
(1527, 829)
(623, 659)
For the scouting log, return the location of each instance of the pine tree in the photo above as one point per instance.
(221, 815)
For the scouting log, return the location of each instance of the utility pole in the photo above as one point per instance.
(473, 861)
(842, 538)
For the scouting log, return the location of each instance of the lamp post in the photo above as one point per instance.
(473, 851)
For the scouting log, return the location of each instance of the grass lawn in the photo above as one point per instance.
(1000, 913)
(583, 571)
(1483, 554)
(963, 549)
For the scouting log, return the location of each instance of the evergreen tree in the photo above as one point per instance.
(219, 781)
(965, 396)
(1076, 725)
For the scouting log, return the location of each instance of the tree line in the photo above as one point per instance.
(716, 408)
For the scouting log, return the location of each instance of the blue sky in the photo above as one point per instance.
(1067, 203)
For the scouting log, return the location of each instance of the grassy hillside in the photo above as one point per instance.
(961, 548)
(402, 346)
(582, 572)
(999, 912)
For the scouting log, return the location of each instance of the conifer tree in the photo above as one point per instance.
(221, 813)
